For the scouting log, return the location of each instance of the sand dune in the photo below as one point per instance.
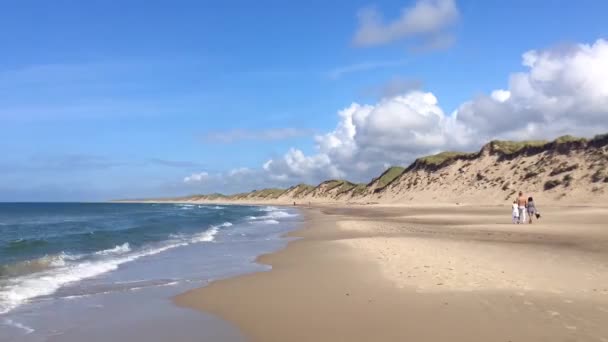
(569, 170)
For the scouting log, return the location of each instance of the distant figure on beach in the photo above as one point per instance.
(531, 208)
(294, 204)
(515, 213)
(522, 202)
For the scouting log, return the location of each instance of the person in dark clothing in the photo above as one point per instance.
(531, 209)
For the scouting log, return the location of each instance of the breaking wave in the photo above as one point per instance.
(22, 281)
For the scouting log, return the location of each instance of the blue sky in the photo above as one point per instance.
(107, 99)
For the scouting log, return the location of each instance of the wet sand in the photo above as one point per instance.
(425, 274)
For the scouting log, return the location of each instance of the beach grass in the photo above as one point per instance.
(442, 157)
(388, 176)
(511, 147)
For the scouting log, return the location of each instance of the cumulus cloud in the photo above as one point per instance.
(273, 134)
(562, 92)
(427, 20)
(197, 177)
(368, 137)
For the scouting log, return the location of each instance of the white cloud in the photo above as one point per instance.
(365, 66)
(295, 165)
(242, 171)
(267, 165)
(196, 177)
(501, 95)
(562, 92)
(427, 19)
(368, 137)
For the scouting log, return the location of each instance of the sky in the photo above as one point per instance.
(128, 99)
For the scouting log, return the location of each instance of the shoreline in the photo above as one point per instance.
(132, 289)
(392, 274)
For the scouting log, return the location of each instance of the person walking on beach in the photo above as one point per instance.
(515, 213)
(531, 209)
(522, 202)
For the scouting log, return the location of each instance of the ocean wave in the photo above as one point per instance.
(120, 249)
(137, 288)
(272, 215)
(215, 207)
(26, 267)
(209, 235)
(118, 286)
(266, 222)
(44, 281)
(268, 208)
(279, 214)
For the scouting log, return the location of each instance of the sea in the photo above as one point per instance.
(107, 271)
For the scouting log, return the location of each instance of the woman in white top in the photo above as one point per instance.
(515, 212)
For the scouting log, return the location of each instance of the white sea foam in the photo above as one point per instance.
(266, 222)
(37, 265)
(120, 249)
(279, 214)
(209, 235)
(217, 207)
(137, 288)
(274, 214)
(60, 259)
(21, 289)
(18, 325)
(269, 208)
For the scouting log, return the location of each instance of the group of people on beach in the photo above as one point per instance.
(523, 207)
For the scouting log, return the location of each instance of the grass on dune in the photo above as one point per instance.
(569, 138)
(268, 193)
(511, 147)
(440, 158)
(302, 190)
(359, 189)
(389, 175)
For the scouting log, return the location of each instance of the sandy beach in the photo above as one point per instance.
(425, 274)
